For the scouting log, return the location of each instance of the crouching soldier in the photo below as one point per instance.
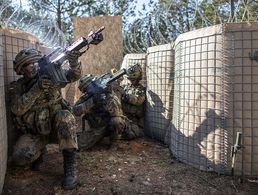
(103, 112)
(133, 99)
(42, 114)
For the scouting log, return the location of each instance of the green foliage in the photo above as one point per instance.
(248, 10)
(64, 10)
(155, 23)
(5, 10)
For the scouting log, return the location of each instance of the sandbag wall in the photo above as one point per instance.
(3, 126)
(215, 97)
(159, 92)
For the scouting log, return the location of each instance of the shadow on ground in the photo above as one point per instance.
(141, 166)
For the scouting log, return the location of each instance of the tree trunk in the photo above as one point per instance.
(58, 13)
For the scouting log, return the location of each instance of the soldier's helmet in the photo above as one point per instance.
(85, 81)
(25, 57)
(134, 72)
(113, 71)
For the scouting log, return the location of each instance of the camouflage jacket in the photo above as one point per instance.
(118, 89)
(28, 101)
(98, 109)
(133, 100)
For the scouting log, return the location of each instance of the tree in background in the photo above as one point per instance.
(5, 10)
(170, 18)
(157, 22)
(247, 10)
(64, 10)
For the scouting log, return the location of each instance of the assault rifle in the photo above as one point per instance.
(53, 68)
(100, 84)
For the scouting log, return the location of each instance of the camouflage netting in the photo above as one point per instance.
(159, 74)
(3, 126)
(215, 97)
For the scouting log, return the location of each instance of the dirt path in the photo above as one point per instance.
(137, 167)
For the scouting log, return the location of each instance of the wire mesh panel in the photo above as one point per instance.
(131, 59)
(197, 129)
(159, 74)
(3, 128)
(216, 92)
(13, 42)
(241, 41)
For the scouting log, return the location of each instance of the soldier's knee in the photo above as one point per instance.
(27, 149)
(65, 123)
(23, 156)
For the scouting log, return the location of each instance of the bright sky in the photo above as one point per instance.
(138, 7)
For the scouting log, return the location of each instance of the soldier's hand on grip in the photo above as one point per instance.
(72, 57)
(44, 82)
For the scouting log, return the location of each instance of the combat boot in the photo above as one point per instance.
(35, 165)
(69, 181)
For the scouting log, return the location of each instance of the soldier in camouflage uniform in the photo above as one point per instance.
(103, 113)
(42, 114)
(133, 100)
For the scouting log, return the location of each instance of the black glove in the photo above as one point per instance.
(72, 57)
(44, 82)
(97, 39)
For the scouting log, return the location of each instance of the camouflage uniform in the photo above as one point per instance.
(104, 115)
(116, 85)
(133, 101)
(42, 114)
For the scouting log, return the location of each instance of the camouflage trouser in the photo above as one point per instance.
(91, 136)
(117, 128)
(139, 121)
(132, 130)
(28, 147)
(88, 138)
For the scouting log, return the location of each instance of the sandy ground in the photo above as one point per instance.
(142, 166)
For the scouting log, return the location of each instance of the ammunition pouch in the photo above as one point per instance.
(43, 122)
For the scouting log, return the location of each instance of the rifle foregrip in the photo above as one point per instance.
(100, 29)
